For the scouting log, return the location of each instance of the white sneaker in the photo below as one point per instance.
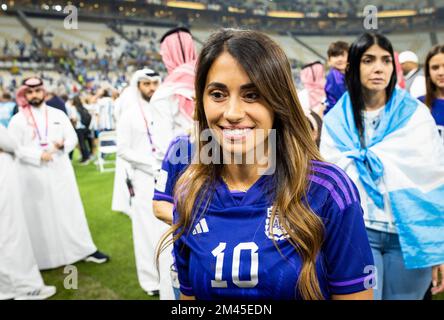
(39, 294)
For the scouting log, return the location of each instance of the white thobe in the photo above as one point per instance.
(121, 196)
(133, 145)
(19, 272)
(53, 209)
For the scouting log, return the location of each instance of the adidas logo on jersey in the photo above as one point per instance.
(277, 232)
(201, 227)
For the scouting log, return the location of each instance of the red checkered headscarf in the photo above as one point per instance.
(32, 82)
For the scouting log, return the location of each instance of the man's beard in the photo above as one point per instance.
(146, 97)
(35, 102)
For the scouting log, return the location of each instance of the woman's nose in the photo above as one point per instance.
(234, 111)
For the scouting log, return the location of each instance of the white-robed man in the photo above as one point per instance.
(121, 201)
(174, 100)
(53, 209)
(19, 274)
(173, 106)
(137, 137)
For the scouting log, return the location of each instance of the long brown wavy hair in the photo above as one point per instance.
(430, 86)
(269, 70)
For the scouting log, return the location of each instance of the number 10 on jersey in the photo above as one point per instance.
(219, 253)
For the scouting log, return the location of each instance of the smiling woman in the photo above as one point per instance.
(235, 223)
(236, 113)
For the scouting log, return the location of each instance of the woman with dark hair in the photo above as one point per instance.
(387, 143)
(434, 75)
(278, 222)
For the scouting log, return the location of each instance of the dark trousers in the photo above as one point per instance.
(82, 135)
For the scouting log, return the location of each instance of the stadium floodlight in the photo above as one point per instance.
(4, 7)
(57, 7)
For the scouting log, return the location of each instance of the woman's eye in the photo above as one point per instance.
(217, 95)
(388, 61)
(366, 61)
(252, 96)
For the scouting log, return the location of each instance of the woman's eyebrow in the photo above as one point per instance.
(374, 56)
(217, 85)
(248, 86)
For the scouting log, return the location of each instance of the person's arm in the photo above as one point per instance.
(69, 140)
(163, 210)
(7, 143)
(163, 201)
(27, 154)
(436, 287)
(166, 177)
(362, 295)
(184, 297)
(124, 150)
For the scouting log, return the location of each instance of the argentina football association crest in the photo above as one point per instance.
(277, 232)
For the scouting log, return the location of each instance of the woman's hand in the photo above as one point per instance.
(437, 283)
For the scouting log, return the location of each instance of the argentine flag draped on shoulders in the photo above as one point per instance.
(407, 154)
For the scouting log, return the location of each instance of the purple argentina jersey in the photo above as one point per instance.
(334, 88)
(229, 253)
(177, 158)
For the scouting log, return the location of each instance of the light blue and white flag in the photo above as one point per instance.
(406, 153)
